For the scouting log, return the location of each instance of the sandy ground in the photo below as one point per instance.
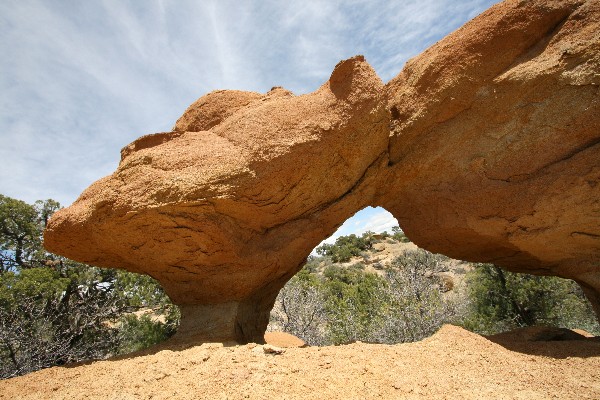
(452, 364)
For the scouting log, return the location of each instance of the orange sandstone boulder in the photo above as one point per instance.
(495, 146)
(486, 147)
(224, 217)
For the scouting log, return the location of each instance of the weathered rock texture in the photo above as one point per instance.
(495, 150)
(486, 147)
(224, 217)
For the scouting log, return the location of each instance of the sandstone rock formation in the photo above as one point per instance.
(224, 217)
(495, 150)
(485, 148)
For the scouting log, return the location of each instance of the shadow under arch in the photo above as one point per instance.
(550, 342)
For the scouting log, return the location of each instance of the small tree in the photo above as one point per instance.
(398, 235)
(20, 235)
(416, 305)
(47, 319)
(502, 300)
(353, 303)
(55, 311)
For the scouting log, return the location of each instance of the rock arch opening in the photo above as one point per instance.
(368, 282)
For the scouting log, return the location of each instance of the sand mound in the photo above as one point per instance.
(453, 363)
(283, 339)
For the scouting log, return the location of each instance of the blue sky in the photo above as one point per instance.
(81, 79)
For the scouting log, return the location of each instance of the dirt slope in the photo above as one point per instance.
(452, 364)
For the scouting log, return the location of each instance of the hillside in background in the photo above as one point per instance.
(381, 288)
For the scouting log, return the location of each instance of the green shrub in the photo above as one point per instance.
(346, 247)
(346, 304)
(501, 300)
(55, 311)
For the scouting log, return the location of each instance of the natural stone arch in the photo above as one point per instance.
(224, 209)
(224, 217)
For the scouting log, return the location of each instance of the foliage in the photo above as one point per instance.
(327, 303)
(47, 319)
(501, 301)
(139, 332)
(345, 304)
(416, 305)
(398, 235)
(55, 311)
(20, 234)
(352, 303)
(346, 247)
(300, 308)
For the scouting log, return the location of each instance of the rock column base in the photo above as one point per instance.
(227, 322)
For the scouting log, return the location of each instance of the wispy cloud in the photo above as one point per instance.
(79, 80)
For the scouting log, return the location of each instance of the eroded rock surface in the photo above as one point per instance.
(224, 217)
(495, 150)
(485, 148)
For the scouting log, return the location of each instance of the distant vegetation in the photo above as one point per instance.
(327, 303)
(55, 311)
(346, 247)
(501, 301)
(345, 304)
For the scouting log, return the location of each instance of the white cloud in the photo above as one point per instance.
(382, 221)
